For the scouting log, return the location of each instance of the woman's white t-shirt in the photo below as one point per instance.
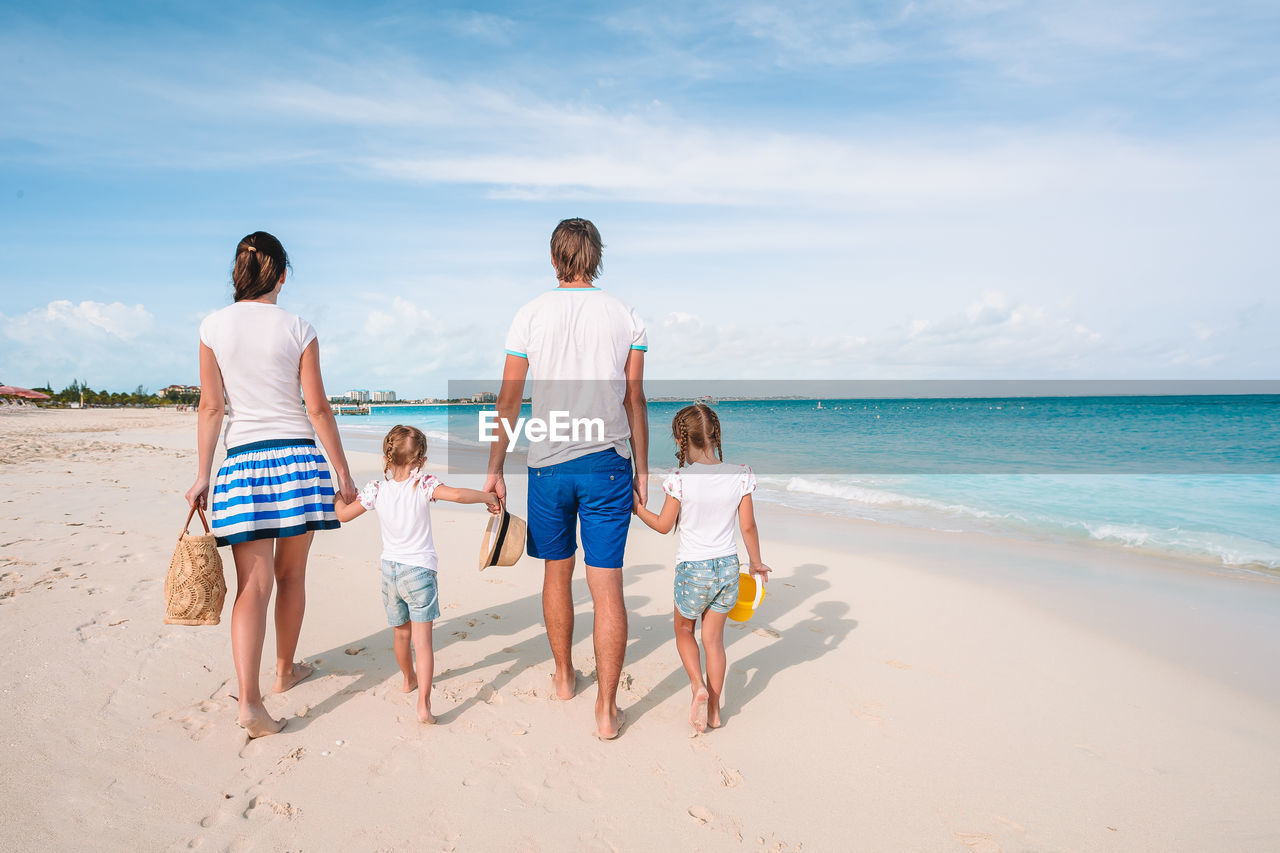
(404, 514)
(709, 496)
(259, 350)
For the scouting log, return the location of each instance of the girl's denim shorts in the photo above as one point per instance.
(703, 585)
(409, 593)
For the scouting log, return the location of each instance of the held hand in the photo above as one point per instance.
(347, 490)
(198, 494)
(636, 503)
(492, 502)
(495, 484)
(762, 570)
(640, 486)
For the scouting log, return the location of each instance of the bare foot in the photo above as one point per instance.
(609, 726)
(299, 672)
(567, 686)
(258, 723)
(698, 710)
(410, 684)
(713, 716)
(425, 715)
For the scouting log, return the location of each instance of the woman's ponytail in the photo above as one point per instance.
(260, 261)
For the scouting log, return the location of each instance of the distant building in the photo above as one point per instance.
(359, 395)
(178, 390)
(382, 397)
(484, 397)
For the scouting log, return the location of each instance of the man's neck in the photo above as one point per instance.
(576, 283)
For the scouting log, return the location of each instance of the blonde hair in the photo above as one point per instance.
(403, 445)
(696, 426)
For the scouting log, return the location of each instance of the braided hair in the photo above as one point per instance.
(696, 426)
(403, 445)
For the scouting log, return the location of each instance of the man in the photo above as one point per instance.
(584, 351)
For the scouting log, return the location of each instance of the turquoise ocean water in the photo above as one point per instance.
(1193, 477)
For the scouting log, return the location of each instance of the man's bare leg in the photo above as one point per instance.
(557, 613)
(610, 637)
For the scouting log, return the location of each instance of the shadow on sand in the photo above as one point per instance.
(809, 639)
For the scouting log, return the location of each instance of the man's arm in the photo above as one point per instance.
(508, 406)
(638, 418)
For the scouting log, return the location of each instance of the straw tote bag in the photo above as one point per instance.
(194, 589)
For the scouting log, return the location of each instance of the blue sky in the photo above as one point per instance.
(811, 189)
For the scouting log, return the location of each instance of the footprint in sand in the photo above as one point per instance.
(766, 632)
(979, 842)
(270, 808)
(729, 826)
(730, 778)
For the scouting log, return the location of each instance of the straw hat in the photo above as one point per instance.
(503, 541)
(750, 594)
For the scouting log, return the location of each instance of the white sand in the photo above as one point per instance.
(892, 695)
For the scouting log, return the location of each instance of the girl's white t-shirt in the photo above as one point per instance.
(709, 496)
(259, 350)
(404, 514)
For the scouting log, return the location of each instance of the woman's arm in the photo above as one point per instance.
(660, 522)
(467, 496)
(321, 415)
(208, 423)
(751, 537)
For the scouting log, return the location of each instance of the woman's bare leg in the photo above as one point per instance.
(254, 575)
(291, 604)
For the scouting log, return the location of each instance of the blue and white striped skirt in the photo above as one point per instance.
(272, 489)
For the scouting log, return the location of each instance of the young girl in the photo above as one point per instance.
(403, 503)
(707, 497)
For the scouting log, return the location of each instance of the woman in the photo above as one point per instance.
(275, 488)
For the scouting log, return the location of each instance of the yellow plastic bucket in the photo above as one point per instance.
(750, 594)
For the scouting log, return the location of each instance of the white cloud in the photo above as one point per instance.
(108, 345)
(61, 321)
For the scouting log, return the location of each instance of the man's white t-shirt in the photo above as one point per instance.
(259, 350)
(709, 496)
(404, 514)
(577, 340)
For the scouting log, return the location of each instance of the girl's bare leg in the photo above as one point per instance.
(713, 644)
(687, 646)
(291, 604)
(254, 575)
(426, 668)
(404, 657)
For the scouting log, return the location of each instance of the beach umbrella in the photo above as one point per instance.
(27, 393)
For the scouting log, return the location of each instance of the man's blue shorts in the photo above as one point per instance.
(594, 490)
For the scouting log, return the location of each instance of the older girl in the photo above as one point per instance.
(275, 488)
